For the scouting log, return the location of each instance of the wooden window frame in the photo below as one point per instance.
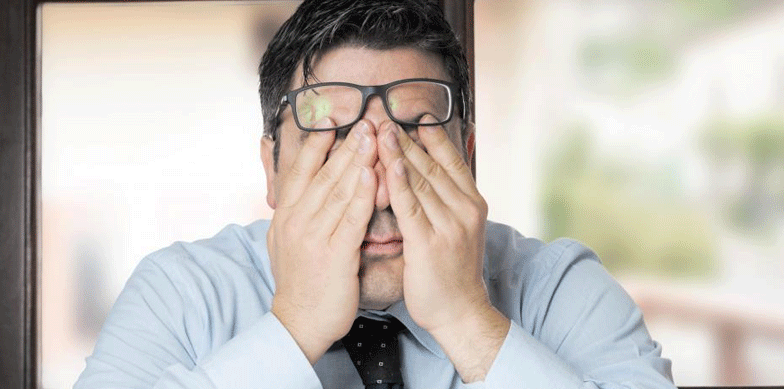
(20, 179)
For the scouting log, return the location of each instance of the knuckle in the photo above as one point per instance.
(456, 164)
(332, 210)
(433, 169)
(414, 211)
(421, 185)
(325, 174)
(351, 219)
(406, 144)
(297, 170)
(483, 207)
(339, 195)
(476, 214)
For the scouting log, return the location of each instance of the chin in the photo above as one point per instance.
(380, 282)
(375, 305)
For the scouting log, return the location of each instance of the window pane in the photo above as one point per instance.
(653, 132)
(150, 134)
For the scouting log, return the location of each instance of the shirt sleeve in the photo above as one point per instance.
(155, 337)
(588, 333)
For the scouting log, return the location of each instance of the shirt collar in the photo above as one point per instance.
(398, 311)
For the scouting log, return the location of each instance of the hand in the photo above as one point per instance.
(441, 216)
(315, 236)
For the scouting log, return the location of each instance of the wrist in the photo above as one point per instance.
(473, 340)
(476, 319)
(312, 344)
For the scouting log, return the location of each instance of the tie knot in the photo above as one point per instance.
(373, 348)
(377, 328)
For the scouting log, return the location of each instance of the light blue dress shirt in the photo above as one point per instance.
(197, 315)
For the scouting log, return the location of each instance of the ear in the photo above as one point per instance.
(268, 160)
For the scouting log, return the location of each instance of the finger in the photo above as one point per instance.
(388, 147)
(308, 161)
(411, 216)
(334, 206)
(441, 148)
(434, 205)
(351, 229)
(357, 146)
(436, 180)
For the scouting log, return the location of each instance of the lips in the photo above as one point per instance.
(376, 245)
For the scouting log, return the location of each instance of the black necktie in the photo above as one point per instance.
(372, 346)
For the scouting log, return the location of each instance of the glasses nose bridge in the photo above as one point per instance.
(370, 91)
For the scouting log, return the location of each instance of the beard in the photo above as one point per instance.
(381, 274)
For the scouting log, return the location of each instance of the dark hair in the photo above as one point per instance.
(319, 25)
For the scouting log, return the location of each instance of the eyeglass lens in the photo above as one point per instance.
(407, 102)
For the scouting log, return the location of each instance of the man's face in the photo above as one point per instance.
(381, 265)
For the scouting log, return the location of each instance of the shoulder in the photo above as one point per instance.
(524, 273)
(228, 267)
(181, 301)
(506, 250)
(234, 248)
(199, 291)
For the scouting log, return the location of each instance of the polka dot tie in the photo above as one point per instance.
(372, 346)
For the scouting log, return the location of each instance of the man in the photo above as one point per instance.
(366, 149)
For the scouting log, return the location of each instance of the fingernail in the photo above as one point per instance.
(364, 144)
(392, 141)
(365, 175)
(325, 122)
(399, 168)
(429, 119)
(362, 129)
(393, 127)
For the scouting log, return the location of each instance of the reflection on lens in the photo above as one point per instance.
(339, 103)
(311, 108)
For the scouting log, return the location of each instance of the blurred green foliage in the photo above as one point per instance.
(623, 64)
(625, 61)
(707, 12)
(632, 216)
(751, 152)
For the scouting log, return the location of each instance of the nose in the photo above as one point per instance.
(374, 111)
(377, 115)
(382, 194)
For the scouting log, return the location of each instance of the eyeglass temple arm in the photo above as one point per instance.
(283, 102)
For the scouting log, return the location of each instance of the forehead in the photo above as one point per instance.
(364, 66)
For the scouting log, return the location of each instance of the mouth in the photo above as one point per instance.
(387, 246)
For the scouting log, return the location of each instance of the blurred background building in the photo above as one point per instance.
(651, 130)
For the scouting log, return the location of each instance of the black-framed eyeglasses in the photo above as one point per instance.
(405, 101)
